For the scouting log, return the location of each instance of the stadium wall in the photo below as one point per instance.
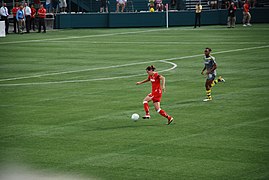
(156, 19)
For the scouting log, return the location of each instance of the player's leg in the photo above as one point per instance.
(208, 89)
(244, 18)
(248, 19)
(157, 106)
(122, 7)
(118, 6)
(216, 81)
(229, 22)
(146, 101)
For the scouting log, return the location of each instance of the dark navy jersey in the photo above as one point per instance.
(209, 63)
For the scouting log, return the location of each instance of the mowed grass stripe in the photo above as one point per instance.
(115, 66)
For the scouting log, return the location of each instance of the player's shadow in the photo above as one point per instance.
(135, 126)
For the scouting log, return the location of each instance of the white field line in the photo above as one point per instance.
(161, 43)
(124, 65)
(108, 67)
(88, 80)
(77, 71)
(113, 34)
(81, 37)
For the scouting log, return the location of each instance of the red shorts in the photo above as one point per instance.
(156, 97)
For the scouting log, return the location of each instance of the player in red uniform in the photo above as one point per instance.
(158, 86)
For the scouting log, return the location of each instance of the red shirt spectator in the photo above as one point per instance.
(33, 12)
(14, 10)
(41, 12)
(246, 7)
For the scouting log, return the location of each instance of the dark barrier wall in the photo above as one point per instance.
(157, 19)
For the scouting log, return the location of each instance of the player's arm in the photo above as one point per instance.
(212, 69)
(162, 78)
(203, 71)
(141, 82)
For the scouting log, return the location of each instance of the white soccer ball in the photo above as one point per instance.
(135, 117)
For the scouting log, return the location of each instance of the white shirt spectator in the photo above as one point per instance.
(27, 11)
(4, 11)
(47, 2)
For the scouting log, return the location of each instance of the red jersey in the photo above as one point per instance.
(246, 7)
(156, 84)
(14, 11)
(41, 13)
(33, 12)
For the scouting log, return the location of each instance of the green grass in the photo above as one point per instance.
(58, 113)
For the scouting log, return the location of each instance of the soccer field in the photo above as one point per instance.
(67, 97)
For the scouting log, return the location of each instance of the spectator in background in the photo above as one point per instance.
(48, 6)
(252, 3)
(236, 3)
(63, 5)
(103, 6)
(213, 4)
(21, 19)
(246, 14)
(36, 4)
(33, 14)
(159, 5)
(122, 4)
(4, 16)
(54, 5)
(41, 15)
(27, 12)
(151, 5)
(198, 11)
(173, 4)
(231, 15)
(14, 13)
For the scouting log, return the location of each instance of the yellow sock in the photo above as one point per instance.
(208, 93)
(214, 83)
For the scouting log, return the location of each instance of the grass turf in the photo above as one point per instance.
(59, 112)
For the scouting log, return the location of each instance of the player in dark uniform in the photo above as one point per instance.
(210, 67)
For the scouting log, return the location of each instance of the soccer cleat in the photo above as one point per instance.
(207, 99)
(170, 120)
(244, 25)
(248, 24)
(220, 79)
(146, 116)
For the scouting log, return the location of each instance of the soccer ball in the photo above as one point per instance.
(135, 117)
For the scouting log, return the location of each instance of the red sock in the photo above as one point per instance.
(146, 107)
(163, 113)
